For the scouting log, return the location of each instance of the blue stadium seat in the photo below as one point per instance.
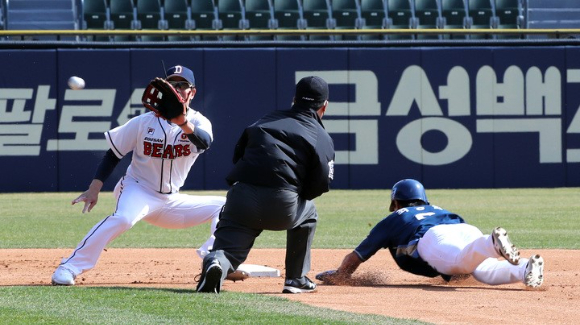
(203, 14)
(482, 15)
(260, 15)
(149, 17)
(454, 13)
(123, 16)
(428, 14)
(509, 15)
(454, 16)
(401, 14)
(318, 15)
(177, 15)
(374, 14)
(204, 17)
(232, 16)
(288, 15)
(94, 14)
(149, 14)
(347, 15)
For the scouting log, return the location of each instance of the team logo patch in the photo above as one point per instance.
(331, 169)
(150, 130)
(183, 136)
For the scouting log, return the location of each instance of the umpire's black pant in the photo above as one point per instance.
(251, 209)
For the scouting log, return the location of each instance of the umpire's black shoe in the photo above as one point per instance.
(299, 285)
(211, 278)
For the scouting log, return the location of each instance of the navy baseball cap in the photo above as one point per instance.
(183, 72)
(311, 91)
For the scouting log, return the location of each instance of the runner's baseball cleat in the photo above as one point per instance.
(504, 246)
(534, 276)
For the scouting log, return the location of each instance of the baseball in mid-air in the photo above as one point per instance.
(76, 83)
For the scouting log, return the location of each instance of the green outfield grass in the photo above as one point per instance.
(535, 218)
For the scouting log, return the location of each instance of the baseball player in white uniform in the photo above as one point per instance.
(163, 153)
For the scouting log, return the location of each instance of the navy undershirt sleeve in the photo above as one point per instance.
(200, 138)
(107, 165)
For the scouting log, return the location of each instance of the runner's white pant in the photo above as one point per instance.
(134, 203)
(463, 249)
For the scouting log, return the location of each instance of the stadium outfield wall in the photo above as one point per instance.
(451, 117)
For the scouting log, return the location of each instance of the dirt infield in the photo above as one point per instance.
(384, 289)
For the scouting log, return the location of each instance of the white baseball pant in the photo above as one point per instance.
(463, 249)
(135, 203)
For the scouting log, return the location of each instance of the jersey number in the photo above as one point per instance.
(421, 216)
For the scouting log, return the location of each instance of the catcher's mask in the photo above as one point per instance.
(408, 190)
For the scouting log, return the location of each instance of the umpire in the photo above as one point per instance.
(282, 162)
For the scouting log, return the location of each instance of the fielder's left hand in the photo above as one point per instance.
(90, 196)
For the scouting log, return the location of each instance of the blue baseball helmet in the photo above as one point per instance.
(407, 190)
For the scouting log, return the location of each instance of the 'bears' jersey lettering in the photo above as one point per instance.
(170, 152)
(157, 147)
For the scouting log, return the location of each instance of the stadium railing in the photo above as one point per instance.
(548, 33)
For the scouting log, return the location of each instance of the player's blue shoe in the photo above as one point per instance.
(211, 278)
(299, 285)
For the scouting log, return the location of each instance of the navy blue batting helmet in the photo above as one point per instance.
(407, 190)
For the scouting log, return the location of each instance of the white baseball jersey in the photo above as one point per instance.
(162, 153)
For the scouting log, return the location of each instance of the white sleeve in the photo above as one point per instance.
(123, 138)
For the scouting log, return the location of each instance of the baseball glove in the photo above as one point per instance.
(163, 99)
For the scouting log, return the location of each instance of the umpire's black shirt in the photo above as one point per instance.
(287, 149)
